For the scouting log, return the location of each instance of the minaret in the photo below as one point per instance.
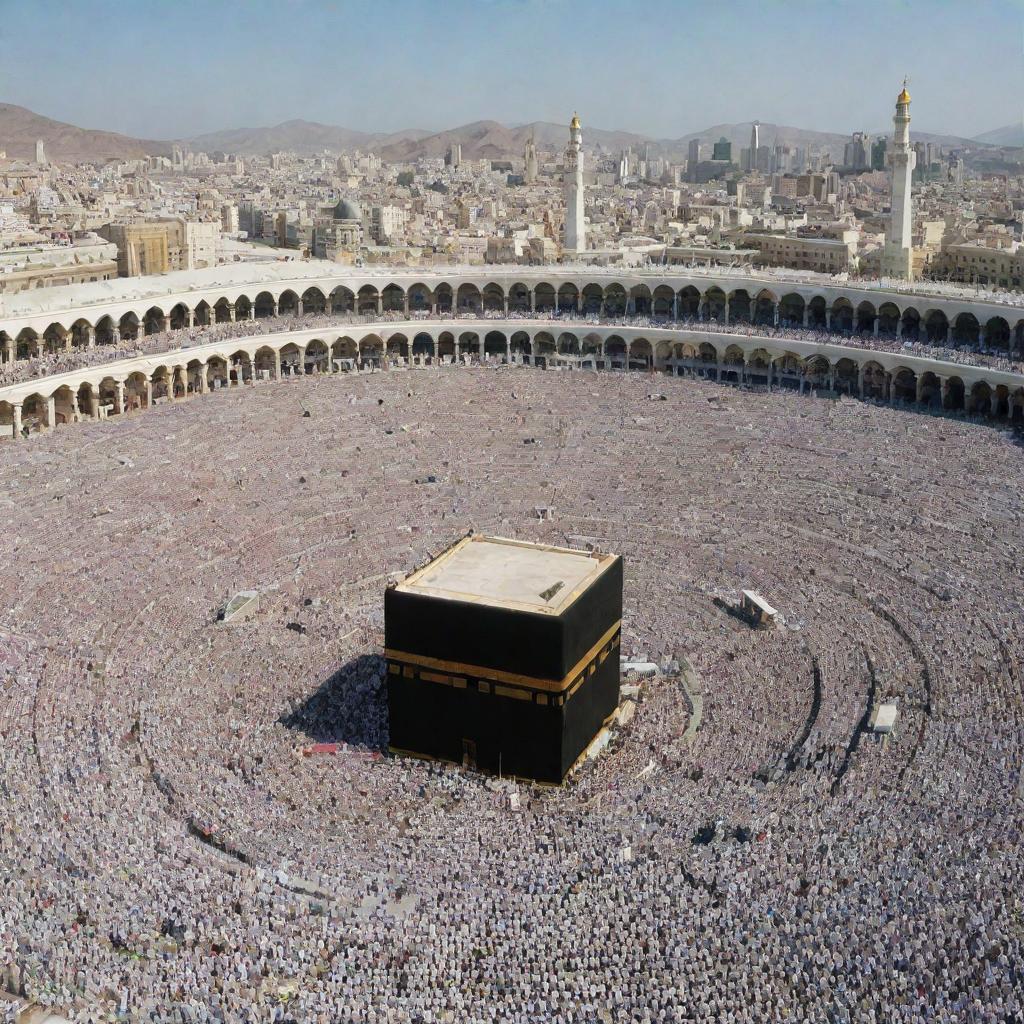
(575, 232)
(531, 161)
(898, 254)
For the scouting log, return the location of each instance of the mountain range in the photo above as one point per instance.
(20, 128)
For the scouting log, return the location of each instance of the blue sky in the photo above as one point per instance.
(172, 68)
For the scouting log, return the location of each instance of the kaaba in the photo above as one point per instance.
(504, 656)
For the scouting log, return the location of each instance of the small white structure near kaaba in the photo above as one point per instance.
(883, 718)
(244, 605)
(757, 609)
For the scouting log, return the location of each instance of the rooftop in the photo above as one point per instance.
(508, 574)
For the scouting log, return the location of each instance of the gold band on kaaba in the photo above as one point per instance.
(454, 673)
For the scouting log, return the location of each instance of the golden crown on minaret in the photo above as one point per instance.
(575, 122)
(904, 96)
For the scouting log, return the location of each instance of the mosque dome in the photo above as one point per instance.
(347, 209)
(575, 122)
(904, 96)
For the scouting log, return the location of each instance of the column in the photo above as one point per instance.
(874, 325)
(480, 348)
(943, 388)
(302, 358)
(775, 314)
(191, 318)
(67, 340)
(458, 351)
(994, 403)
(725, 312)
(701, 308)
(76, 413)
(505, 304)
(51, 412)
(899, 328)
(380, 304)
(232, 313)
(675, 305)
(533, 301)
(149, 394)
(165, 324)
(807, 315)
(508, 348)
(981, 337)
(299, 309)
(252, 312)
(16, 422)
(90, 337)
(890, 390)
(405, 303)
(120, 398)
(204, 382)
(828, 319)
(94, 402)
(556, 300)
(273, 308)
(860, 380)
(115, 335)
(949, 334)
(9, 348)
(433, 306)
(919, 391)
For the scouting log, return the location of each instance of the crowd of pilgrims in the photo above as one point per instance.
(177, 848)
(46, 363)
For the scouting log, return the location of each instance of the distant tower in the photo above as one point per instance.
(531, 161)
(40, 153)
(755, 142)
(575, 231)
(898, 255)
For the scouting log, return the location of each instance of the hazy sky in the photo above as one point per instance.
(173, 68)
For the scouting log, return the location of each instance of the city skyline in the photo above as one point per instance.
(308, 59)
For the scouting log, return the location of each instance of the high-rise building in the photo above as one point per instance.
(722, 150)
(575, 230)
(530, 175)
(897, 256)
(755, 142)
(692, 159)
(40, 153)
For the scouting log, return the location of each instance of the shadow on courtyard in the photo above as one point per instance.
(350, 707)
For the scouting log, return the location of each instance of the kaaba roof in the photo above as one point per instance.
(508, 574)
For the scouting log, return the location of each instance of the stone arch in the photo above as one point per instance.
(739, 306)
(80, 333)
(965, 329)
(129, 326)
(64, 401)
(179, 316)
(6, 417)
(35, 414)
(161, 383)
(318, 358)
(936, 326)
(520, 344)
(153, 321)
(707, 353)
(371, 349)
(817, 371)
(910, 321)
(568, 297)
(904, 385)
(366, 301)
(495, 342)
(568, 344)
(398, 346)
(641, 353)
(543, 344)
(202, 314)
(888, 319)
(873, 377)
(420, 298)
(615, 352)
(663, 301)
(423, 346)
(287, 303)
(265, 306)
(689, 303)
(469, 299)
(817, 313)
(592, 345)
(264, 362)
(592, 298)
(469, 343)
(342, 300)
(314, 301)
(218, 374)
(844, 375)
(344, 348)
(105, 331)
(842, 315)
(88, 399)
(222, 311)
(55, 339)
(27, 344)
(997, 333)
(492, 298)
(444, 296)
(615, 299)
(291, 359)
(392, 299)
(764, 307)
(243, 308)
(864, 318)
(980, 400)
(640, 300)
(953, 394)
(136, 392)
(791, 309)
(446, 345)
(930, 390)
(519, 298)
(714, 304)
